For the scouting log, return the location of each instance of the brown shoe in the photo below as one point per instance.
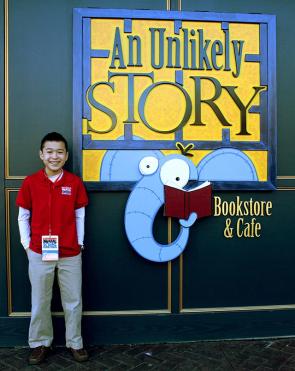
(38, 355)
(80, 355)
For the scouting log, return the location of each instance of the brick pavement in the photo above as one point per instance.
(245, 355)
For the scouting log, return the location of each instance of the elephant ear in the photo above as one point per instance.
(123, 165)
(227, 164)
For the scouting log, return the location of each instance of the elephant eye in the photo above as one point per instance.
(148, 165)
(175, 173)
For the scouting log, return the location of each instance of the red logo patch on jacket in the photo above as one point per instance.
(66, 191)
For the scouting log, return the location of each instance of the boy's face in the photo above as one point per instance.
(54, 156)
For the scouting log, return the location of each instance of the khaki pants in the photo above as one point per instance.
(69, 274)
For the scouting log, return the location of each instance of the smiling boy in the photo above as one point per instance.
(52, 208)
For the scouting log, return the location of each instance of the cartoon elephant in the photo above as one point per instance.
(153, 172)
(146, 199)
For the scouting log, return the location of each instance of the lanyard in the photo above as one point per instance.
(51, 189)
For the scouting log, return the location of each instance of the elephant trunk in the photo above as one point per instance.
(141, 210)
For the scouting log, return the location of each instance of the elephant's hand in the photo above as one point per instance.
(186, 223)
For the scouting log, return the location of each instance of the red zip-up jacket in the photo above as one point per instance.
(52, 207)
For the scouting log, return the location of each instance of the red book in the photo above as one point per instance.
(180, 203)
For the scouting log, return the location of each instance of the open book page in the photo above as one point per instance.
(205, 184)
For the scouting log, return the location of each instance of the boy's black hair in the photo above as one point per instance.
(53, 137)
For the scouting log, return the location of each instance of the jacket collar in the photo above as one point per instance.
(43, 176)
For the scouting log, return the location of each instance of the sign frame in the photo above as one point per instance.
(267, 107)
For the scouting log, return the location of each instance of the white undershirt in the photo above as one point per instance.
(24, 216)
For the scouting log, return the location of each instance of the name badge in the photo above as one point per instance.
(50, 248)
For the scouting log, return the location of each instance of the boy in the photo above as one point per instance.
(52, 208)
